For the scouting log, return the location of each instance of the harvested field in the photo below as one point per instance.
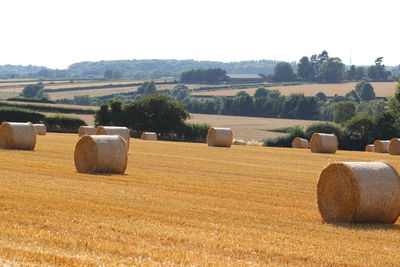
(108, 91)
(382, 89)
(248, 128)
(180, 204)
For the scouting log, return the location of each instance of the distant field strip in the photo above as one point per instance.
(249, 128)
(382, 89)
(180, 204)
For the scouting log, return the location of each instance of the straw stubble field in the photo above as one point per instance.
(179, 203)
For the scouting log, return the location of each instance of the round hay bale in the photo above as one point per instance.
(40, 129)
(148, 136)
(394, 146)
(115, 130)
(221, 137)
(359, 192)
(369, 148)
(381, 146)
(88, 130)
(17, 135)
(323, 143)
(101, 154)
(300, 143)
(239, 143)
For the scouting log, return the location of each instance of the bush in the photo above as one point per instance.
(63, 124)
(48, 108)
(20, 115)
(280, 141)
(28, 99)
(192, 131)
(359, 132)
(286, 140)
(324, 127)
(152, 113)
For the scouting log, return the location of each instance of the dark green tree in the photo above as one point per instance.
(367, 92)
(180, 92)
(33, 90)
(283, 72)
(331, 71)
(321, 96)
(352, 73)
(378, 71)
(261, 92)
(343, 111)
(147, 88)
(305, 69)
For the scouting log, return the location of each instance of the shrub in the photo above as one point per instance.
(286, 140)
(360, 131)
(324, 127)
(28, 99)
(192, 131)
(20, 115)
(280, 141)
(63, 124)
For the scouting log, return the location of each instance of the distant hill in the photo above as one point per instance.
(137, 69)
(18, 70)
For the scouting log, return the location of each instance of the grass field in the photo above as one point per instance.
(382, 89)
(180, 204)
(248, 128)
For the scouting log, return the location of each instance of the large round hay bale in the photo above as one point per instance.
(40, 129)
(148, 136)
(221, 137)
(359, 192)
(101, 154)
(88, 130)
(17, 135)
(381, 146)
(394, 146)
(369, 148)
(239, 143)
(323, 143)
(115, 130)
(300, 143)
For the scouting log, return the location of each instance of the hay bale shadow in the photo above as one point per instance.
(365, 226)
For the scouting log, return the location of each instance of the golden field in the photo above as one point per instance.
(382, 89)
(180, 204)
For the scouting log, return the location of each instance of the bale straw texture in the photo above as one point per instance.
(300, 143)
(359, 192)
(148, 136)
(323, 143)
(17, 135)
(221, 137)
(381, 146)
(114, 130)
(100, 154)
(239, 143)
(40, 129)
(394, 146)
(88, 130)
(369, 148)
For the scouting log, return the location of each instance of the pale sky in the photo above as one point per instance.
(57, 33)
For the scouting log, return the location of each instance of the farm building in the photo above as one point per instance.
(243, 78)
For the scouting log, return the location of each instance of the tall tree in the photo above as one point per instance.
(331, 71)
(305, 70)
(283, 72)
(378, 71)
